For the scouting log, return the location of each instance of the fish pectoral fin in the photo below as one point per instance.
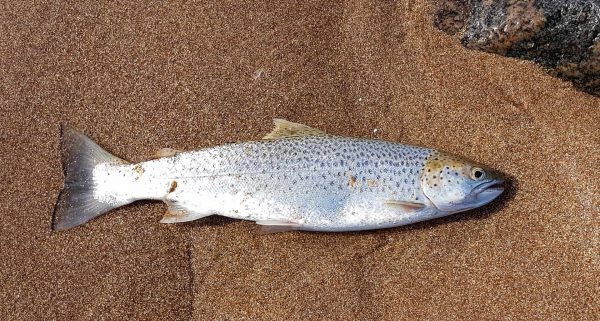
(406, 206)
(177, 214)
(277, 226)
(284, 128)
(166, 152)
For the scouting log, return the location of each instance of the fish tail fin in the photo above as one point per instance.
(76, 203)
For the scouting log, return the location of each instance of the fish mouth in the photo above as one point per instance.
(488, 191)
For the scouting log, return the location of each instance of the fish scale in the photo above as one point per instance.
(316, 182)
(297, 178)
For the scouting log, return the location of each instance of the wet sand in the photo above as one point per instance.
(188, 75)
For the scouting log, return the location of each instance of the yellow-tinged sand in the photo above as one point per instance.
(140, 77)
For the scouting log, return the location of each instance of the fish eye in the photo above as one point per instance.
(477, 173)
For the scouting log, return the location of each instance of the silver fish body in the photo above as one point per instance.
(307, 181)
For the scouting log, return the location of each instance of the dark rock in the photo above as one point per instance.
(452, 15)
(563, 36)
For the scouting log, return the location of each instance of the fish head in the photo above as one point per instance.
(455, 185)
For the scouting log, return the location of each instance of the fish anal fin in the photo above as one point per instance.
(177, 214)
(277, 226)
(171, 216)
(406, 206)
(284, 129)
(166, 152)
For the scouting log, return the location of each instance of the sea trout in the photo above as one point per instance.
(295, 178)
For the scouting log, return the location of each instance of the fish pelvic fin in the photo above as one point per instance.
(277, 226)
(76, 203)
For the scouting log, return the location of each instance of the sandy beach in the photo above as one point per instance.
(185, 75)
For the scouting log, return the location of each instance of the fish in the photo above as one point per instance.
(294, 178)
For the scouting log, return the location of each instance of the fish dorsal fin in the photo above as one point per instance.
(284, 128)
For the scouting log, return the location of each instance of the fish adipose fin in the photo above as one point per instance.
(285, 129)
(166, 152)
(406, 206)
(275, 226)
(76, 203)
(177, 214)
